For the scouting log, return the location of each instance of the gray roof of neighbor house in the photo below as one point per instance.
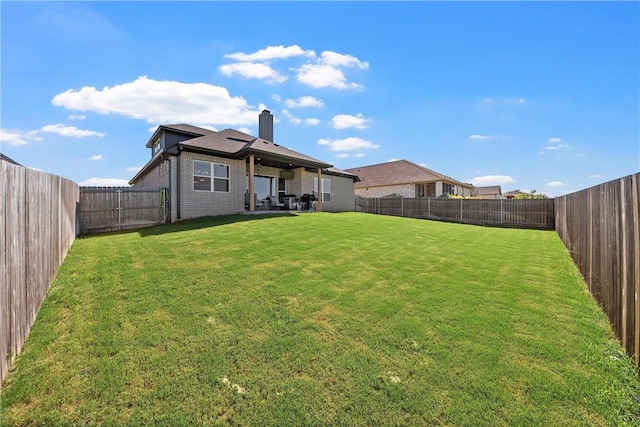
(398, 172)
(234, 144)
(8, 159)
(492, 189)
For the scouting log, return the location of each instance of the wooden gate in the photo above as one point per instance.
(103, 209)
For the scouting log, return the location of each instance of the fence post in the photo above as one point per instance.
(402, 207)
(501, 212)
(429, 207)
(119, 217)
(461, 210)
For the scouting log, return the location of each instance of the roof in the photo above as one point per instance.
(237, 144)
(8, 159)
(180, 128)
(398, 172)
(234, 144)
(492, 189)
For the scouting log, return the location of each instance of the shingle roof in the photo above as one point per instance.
(398, 172)
(238, 144)
(493, 189)
(8, 159)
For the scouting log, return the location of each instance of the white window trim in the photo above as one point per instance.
(213, 177)
(324, 187)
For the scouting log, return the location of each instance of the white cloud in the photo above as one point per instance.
(344, 121)
(252, 70)
(304, 101)
(321, 76)
(347, 155)
(245, 130)
(556, 147)
(556, 144)
(105, 182)
(393, 159)
(312, 122)
(18, 137)
(71, 131)
(96, 157)
(491, 180)
(77, 117)
(479, 137)
(291, 117)
(335, 59)
(134, 169)
(554, 184)
(348, 144)
(162, 102)
(595, 176)
(272, 52)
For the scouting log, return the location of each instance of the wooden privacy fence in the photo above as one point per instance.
(37, 226)
(122, 208)
(504, 213)
(600, 227)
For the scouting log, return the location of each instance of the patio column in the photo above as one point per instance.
(319, 202)
(252, 199)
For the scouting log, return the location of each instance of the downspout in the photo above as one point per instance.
(252, 204)
(169, 191)
(319, 202)
(178, 185)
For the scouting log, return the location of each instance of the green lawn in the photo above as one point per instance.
(321, 319)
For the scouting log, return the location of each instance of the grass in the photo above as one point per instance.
(321, 319)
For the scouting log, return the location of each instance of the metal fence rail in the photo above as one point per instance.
(105, 209)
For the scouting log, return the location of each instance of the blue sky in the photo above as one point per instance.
(542, 96)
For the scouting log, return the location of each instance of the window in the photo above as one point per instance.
(326, 189)
(281, 188)
(205, 174)
(447, 188)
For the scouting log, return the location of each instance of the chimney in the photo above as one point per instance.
(265, 125)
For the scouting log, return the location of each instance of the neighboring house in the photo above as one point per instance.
(402, 178)
(213, 173)
(8, 159)
(513, 194)
(490, 192)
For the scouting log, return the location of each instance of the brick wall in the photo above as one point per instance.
(194, 204)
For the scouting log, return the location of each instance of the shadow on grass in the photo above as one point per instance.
(190, 224)
(205, 222)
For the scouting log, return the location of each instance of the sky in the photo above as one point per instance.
(538, 96)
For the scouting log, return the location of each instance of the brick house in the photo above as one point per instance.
(213, 173)
(489, 192)
(406, 179)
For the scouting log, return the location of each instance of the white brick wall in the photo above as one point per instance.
(194, 204)
(405, 190)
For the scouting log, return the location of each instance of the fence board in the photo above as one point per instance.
(37, 219)
(5, 314)
(600, 227)
(105, 209)
(504, 213)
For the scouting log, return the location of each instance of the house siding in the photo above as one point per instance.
(157, 177)
(194, 204)
(404, 190)
(342, 195)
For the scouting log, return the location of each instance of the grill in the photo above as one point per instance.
(307, 201)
